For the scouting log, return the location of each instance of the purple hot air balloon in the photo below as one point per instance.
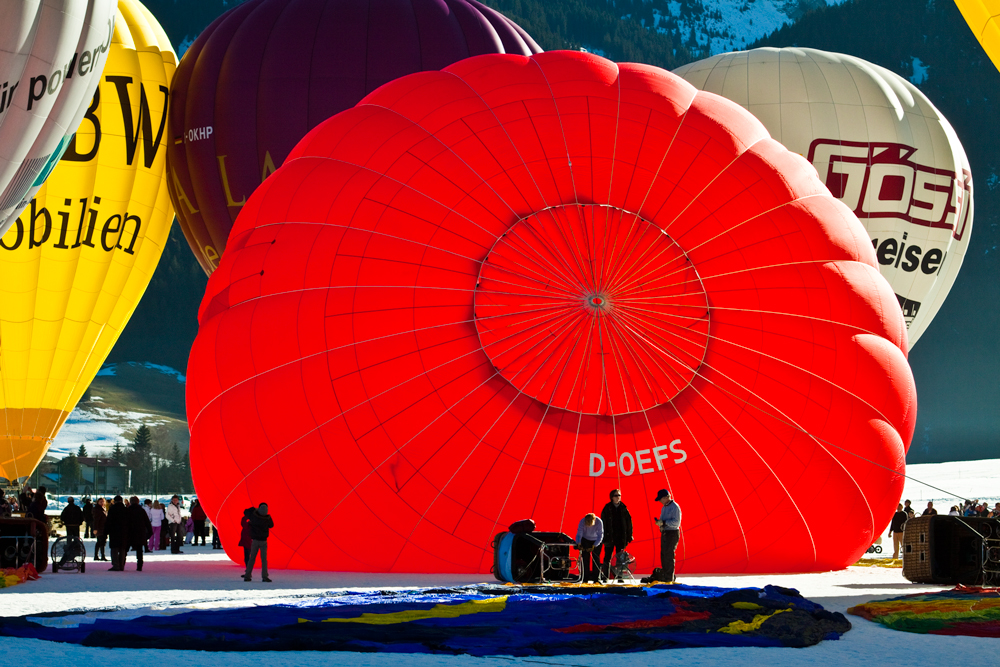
(268, 71)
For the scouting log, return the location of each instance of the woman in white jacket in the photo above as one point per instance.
(156, 518)
(175, 522)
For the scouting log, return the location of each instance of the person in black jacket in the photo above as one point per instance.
(896, 529)
(100, 529)
(139, 532)
(88, 518)
(261, 524)
(116, 526)
(245, 538)
(72, 517)
(39, 503)
(617, 528)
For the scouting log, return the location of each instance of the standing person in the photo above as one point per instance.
(88, 518)
(217, 542)
(670, 533)
(24, 499)
(910, 512)
(164, 529)
(39, 503)
(176, 523)
(896, 529)
(147, 507)
(117, 525)
(72, 517)
(100, 530)
(617, 528)
(589, 536)
(4, 506)
(261, 524)
(189, 529)
(139, 532)
(245, 538)
(156, 523)
(198, 516)
(930, 511)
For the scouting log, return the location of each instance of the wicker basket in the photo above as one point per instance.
(917, 550)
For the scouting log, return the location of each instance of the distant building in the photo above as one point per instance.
(99, 475)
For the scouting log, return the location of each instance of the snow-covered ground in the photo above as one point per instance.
(99, 429)
(203, 578)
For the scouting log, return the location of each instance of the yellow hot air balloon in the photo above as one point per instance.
(983, 16)
(75, 263)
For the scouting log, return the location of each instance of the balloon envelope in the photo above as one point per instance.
(981, 15)
(52, 53)
(76, 262)
(502, 290)
(268, 71)
(879, 145)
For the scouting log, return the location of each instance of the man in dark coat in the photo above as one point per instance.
(100, 529)
(245, 538)
(896, 529)
(39, 503)
(72, 517)
(139, 531)
(261, 524)
(4, 506)
(88, 517)
(617, 528)
(116, 526)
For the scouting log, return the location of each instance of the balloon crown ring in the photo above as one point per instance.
(592, 309)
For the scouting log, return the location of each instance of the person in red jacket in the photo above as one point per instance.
(198, 516)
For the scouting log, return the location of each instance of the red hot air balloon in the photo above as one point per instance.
(501, 290)
(268, 71)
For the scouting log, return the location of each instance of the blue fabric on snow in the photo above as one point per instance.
(522, 621)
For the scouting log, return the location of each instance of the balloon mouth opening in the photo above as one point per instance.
(592, 309)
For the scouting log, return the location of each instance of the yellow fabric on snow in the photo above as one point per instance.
(438, 611)
(739, 627)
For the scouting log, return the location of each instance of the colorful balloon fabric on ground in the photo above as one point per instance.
(880, 146)
(51, 56)
(489, 621)
(982, 15)
(502, 290)
(268, 71)
(966, 610)
(77, 260)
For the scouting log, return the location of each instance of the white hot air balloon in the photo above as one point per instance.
(879, 145)
(52, 53)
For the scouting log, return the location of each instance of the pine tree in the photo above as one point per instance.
(69, 471)
(140, 459)
(117, 454)
(83, 451)
(143, 439)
